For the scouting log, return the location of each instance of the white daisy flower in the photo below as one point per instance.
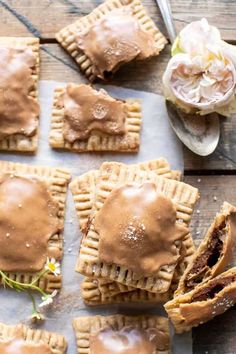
(53, 266)
(48, 299)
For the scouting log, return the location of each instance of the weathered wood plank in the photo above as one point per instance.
(217, 336)
(214, 190)
(45, 17)
(57, 65)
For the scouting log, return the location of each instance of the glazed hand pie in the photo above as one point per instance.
(118, 187)
(215, 251)
(32, 201)
(113, 34)
(204, 302)
(122, 335)
(102, 291)
(23, 340)
(19, 109)
(84, 119)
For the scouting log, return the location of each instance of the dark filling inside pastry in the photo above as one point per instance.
(208, 259)
(210, 291)
(108, 75)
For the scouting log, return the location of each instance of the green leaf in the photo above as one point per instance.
(176, 48)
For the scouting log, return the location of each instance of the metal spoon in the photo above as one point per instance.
(199, 133)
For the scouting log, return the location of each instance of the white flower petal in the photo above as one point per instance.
(48, 299)
(46, 302)
(54, 293)
(195, 36)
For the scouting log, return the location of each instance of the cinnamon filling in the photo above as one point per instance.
(28, 219)
(115, 39)
(210, 291)
(138, 229)
(18, 110)
(18, 345)
(209, 258)
(128, 340)
(87, 110)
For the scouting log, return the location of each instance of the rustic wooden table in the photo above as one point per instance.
(214, 175)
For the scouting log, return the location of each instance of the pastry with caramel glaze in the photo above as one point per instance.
(85, 119)
(112, 35)
(32, 200)
(84, 187)
(123, 196)
(19, 108)
(102, 291)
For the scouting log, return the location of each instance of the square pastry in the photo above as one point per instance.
(101, 291)
(85, 119)
(132, 334)
(130, 205)
(114, 33)
(22, 339)
(32, 203)
(19, 107)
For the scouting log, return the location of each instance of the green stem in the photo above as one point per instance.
(21, 286)
(33, 301)
(40, 275)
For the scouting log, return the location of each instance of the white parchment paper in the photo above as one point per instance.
(157, 139)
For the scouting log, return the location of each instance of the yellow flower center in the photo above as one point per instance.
(52, 267)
